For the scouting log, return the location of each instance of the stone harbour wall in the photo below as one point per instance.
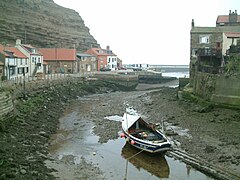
(219, 89)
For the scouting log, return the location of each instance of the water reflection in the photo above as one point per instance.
(155, 164)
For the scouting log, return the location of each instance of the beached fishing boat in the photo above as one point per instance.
(143, 135)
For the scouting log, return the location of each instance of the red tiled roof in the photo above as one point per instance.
(60, 54)
(15, 51)
(225, 19)
(232, 34)
(1, 50)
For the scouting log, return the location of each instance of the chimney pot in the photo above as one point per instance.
(192, 23)
(229, 11)
(18, 41)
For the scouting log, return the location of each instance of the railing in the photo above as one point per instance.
(46, 77)
(209, 52)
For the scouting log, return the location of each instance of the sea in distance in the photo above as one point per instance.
(178, 71)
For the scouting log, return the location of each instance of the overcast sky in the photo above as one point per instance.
(148, 31)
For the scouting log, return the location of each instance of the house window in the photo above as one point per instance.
(21, 61)
(204, 39)
(11, 71)
(39, 60)
(26, 70)
(20, 70)
(33, 59)
(109, 59)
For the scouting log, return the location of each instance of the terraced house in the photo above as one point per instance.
(14, 64)
(35, 58)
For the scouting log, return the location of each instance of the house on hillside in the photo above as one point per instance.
(86, 63)
(233, 19)
(60, 60)
(105, 58)
(35, 58)
(14, 64)
(209, 47)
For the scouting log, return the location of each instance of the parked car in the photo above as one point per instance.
(122, 68)
(105, 69)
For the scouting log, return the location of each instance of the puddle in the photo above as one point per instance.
(115, 158)
(114, 118)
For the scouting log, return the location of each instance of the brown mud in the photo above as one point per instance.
(213, 135)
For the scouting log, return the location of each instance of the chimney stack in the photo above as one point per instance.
(108, 47)
(18, 42)
(192, 23)
(233, 17)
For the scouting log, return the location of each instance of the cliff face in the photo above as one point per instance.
(42, 23)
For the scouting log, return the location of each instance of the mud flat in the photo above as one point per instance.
(27, 152)
(202, 140)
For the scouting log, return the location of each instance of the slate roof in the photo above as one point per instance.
(215, 29)
(100, 52)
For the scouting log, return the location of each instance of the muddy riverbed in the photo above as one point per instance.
(49, 138)
(88, 134)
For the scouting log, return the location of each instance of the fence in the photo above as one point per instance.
(22, 80)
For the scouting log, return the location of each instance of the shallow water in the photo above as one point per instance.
(115, 158)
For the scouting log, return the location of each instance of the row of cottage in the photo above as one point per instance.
(27, 61)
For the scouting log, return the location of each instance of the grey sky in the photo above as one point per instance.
(148, 31)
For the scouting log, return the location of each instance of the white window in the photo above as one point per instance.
(204, 39)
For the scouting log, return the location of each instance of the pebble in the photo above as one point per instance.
(23, 171)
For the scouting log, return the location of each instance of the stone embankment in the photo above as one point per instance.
(6, 104)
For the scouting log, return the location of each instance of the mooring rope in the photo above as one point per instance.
(135, 154)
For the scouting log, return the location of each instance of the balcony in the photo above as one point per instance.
(209, 52)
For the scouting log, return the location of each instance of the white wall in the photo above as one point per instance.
(112, 62)
(227, 42)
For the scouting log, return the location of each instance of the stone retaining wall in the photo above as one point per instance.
(6, 104)
(219, 89)
(7, 99)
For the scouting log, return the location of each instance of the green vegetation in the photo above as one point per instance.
(233, 65)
